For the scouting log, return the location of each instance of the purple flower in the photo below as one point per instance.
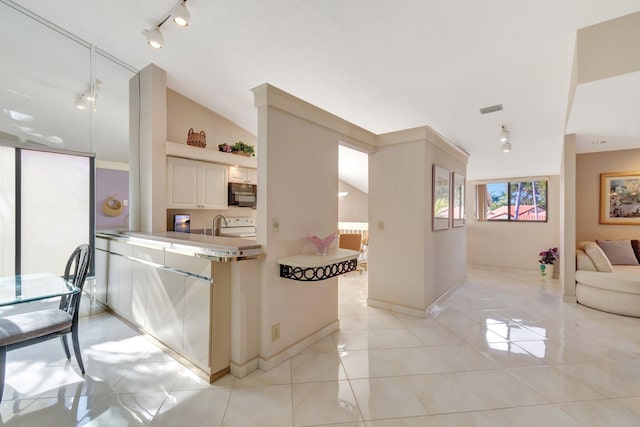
(549, 256)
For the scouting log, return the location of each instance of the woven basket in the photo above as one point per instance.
(196, 139)
(112, 206)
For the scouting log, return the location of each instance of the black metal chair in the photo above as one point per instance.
(24, 329)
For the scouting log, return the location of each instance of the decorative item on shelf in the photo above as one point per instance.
(196, 139)
(112, 206)
(547, 258)
(322, 244)
(243, 149)
(226, 148)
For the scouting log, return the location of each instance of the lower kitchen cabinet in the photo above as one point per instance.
(171, 297)
(165, 309)
(197, 315)
(101, 261)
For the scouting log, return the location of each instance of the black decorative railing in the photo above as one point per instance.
(315, 274)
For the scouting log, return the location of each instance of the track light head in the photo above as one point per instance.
(154, 38)
(504, 135)
(82, 103)
(506, 147)
(180, 14)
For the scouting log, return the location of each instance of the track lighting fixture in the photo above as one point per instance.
(154, 38)
(88, 97)
(503, 137)
(179, 14)
(82, 103)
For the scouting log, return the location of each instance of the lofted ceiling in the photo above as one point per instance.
(387, 66)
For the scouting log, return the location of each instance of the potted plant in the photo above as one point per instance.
(547, 259)
(242, 148)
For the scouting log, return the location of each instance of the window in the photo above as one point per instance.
(512, 201)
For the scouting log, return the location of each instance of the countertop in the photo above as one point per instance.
(216, 248)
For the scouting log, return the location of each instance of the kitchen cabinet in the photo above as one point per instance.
(119, 278)
(243, 175)
(101, 261)
(193, 184)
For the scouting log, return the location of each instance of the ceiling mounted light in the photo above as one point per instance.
(180, 14)
(154, 38)
(503, 137)
(82, 103)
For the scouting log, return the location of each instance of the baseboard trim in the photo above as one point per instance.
(242, 370)
(396, 308)
(266, 364)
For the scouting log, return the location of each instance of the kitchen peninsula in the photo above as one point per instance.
(180, 289)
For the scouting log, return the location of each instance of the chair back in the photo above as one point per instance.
(76, 272)
(350, 241)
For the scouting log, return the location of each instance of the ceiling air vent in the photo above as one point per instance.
(492, 109)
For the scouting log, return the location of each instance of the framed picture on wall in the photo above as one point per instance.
(457, 205)
(620, 198)
(440, 198)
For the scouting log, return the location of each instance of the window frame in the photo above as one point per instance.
(509, 184)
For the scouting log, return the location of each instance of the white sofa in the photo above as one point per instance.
(605, 285)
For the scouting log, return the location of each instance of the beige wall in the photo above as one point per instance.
(298, 176)
(411, 266)
(609, 49)
(183, 113)
(588, 169)
(354, 207)
(512, 244)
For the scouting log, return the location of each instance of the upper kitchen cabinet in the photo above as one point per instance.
(243, 175)
(193, 184)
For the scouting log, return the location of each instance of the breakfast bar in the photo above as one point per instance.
(177, 289)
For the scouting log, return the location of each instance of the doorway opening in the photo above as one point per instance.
(353, 221)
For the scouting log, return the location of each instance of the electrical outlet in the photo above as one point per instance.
(275, 225)
(275, 332)
(380, 225)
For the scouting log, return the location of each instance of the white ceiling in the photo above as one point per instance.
(385, 65)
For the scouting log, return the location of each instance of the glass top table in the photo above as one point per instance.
(33, 287)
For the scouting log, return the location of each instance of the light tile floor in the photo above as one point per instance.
(503, 350)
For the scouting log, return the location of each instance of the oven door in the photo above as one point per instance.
(242, 195)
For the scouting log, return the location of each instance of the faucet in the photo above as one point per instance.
(215, 230)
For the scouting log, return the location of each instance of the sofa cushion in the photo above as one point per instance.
(635, 244)
(598, 257)
(583, 262)
(624, 278)
(619, 252)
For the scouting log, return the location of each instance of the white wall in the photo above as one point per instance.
(355, 206)
(411, 266)
(512, 244)
(298, 176)
(398, 224)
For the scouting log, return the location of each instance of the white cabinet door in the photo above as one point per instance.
(182, 183)
(214, 186)
(196, 321)
(252, 176)
(237, 174)
(192, 184)
(165, 309)
(243, 175)
(102, 262)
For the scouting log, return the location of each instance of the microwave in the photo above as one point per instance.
(242, 195)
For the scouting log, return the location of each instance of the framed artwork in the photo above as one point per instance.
(441, 188)
(620, 198)
(457, 205)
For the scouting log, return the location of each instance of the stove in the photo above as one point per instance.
(239, 227)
